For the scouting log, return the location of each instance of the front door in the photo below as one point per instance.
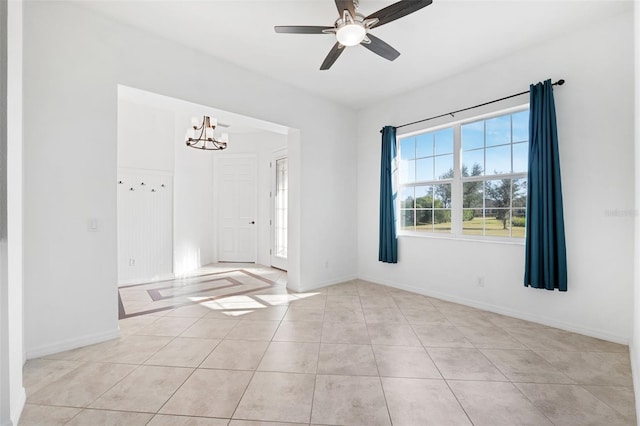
(236, 185)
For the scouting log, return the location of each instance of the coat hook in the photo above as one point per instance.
(153, 190)
(142, 183)
(120, 182)
(162, 185)
(131, 189)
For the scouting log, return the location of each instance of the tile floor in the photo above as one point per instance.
(356, 353)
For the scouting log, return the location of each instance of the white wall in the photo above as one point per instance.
(145, 137)
(262, 145)
(595, 116)
(71, 86)
(635, 342)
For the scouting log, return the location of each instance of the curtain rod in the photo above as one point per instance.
(558, 83)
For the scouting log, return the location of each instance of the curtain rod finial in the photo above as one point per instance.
(560, 82)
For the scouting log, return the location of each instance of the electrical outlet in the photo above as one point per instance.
(92, 225)
(480, 281)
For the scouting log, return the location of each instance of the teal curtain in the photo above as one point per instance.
(546, 258)
(388, 245)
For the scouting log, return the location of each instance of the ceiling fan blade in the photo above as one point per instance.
(301, 29)
(335, 52)
(397, 11)
(346, 5)
(381, 48)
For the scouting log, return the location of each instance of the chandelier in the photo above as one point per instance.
(200, 135)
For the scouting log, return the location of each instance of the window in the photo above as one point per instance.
(466, 179)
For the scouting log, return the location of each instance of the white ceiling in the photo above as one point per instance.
(445, 38)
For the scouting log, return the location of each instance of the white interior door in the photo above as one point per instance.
(280, 210)
(236, 184)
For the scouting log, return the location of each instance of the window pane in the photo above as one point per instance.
(406, 197)
(473, 135)
(520, 126)
(424, 220)
(497, 222)
(407, 148)
(519, 192)
(497, 193)
(520, 157)
(424, 169)
(498, 160)
(408, 171)
(424, 145)
(473, 161)
(407, 220)
(424, 197)
(444, 167)
(472, 222)
(499, 130)
(442, 197)
(444, 141)
(442, 220)
(518, 219)
(472, 194)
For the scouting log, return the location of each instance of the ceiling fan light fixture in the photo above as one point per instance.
(351, 34)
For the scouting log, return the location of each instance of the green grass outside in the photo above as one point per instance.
(493, 227)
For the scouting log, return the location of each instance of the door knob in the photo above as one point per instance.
(253, 222)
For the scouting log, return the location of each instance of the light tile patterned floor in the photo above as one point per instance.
(356, 353)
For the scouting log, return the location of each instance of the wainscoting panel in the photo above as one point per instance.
(145, 226)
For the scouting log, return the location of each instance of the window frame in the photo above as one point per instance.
(457, 204)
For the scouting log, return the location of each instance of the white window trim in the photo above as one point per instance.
(456, 183)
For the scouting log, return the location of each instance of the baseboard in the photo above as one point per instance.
(18, 406)
(321, 284)
(599, 334)
(164, 277)
(74, 343)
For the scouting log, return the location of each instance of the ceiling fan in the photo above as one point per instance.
(352, 28)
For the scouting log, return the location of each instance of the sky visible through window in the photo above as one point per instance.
(429, 156)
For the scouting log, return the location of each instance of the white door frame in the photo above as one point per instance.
(276, 262)
(216, 195)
